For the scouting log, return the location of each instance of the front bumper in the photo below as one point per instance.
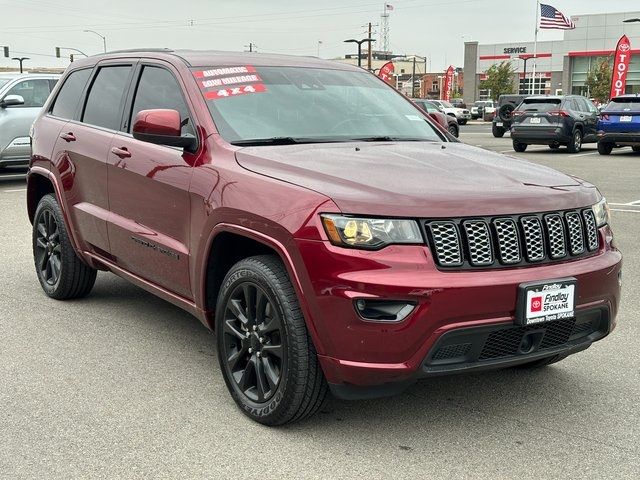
(622, 139)
(363, 353)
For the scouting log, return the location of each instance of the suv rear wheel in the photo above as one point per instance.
(62, 274)
(605, 148)
(576, 145)
(453, 130)
(267, 358)
(519, 147)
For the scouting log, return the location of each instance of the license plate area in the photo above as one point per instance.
(534, 120)
(626, 118)
(541, 302)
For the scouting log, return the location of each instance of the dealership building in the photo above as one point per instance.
(562, 66)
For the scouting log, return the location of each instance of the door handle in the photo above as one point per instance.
(68, 137)
(121, 152)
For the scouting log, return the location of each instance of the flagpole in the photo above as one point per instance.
(535, 48)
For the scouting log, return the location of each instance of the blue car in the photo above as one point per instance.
(619, 124)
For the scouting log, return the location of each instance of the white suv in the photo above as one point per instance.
(21, 98)
(462, 114)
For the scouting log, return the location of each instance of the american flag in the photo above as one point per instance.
(552, 18)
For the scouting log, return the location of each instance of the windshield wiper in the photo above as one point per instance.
(251, 142)
(387, 138)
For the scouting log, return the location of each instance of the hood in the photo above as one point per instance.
(419, 179)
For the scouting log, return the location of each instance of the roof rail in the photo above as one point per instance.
(140, 50)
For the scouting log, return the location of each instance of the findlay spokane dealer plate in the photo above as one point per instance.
(540, 302)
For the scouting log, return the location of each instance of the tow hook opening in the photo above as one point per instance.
(530, 342)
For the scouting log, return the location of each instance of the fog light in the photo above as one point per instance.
(384, 310)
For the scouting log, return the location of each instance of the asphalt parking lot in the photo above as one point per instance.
(124, 385)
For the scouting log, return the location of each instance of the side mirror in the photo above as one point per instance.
(162, 127)
(11, 101)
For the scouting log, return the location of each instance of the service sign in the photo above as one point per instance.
(546, 302)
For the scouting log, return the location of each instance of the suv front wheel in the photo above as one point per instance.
(267, 358)
(62, 274)
(498, 132)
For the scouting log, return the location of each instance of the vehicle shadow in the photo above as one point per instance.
(439, 406)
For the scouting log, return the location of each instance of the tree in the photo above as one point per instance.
(598, 80)
(499, 79)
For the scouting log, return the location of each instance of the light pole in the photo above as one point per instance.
(360, 42)
(20, 59)
(104, 39)
(319, 43)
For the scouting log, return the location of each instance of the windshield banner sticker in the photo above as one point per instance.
(241, 81)
(234, 91)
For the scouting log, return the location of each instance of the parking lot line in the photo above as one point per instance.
(15, 190)
(583, 154)
(624, 210)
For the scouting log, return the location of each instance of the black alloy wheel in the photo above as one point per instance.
(254, 342)
(48, 249)
(61, 273)
(453, 130)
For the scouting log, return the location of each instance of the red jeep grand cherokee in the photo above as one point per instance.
(317, 221)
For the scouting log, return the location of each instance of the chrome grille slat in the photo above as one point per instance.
(478, 242)
(576, 238)
(555, 233)
(533, 240)
(447, 243)
(592, 230)
(512, 240)
(508, 242)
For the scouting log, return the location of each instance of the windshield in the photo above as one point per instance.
(539, 105)
(307, 105)
(446, 104)
(623, 105)
(4, 81)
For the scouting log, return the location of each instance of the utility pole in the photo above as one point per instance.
(369, 54)
(251, 47)
(413, 79)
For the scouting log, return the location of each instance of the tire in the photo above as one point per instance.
(454, 130)
(519, 147)
(605, 148)
(576, 145)
(276, 348)
(636, 148)
(554, 146)
(62, 274)
(498, 132)
(462, 122)
(541, 362)
(505, 111)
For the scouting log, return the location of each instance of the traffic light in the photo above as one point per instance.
(6, 51)
(57, 52)
(71, 57)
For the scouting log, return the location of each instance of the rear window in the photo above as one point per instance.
(623, 105)
(539, 105)
(69, 95)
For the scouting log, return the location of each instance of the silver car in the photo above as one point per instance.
(21, 98)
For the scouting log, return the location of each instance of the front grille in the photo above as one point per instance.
(452, 351)
(506, 342)
(512, 240)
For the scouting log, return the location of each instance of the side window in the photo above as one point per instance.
(158, 88)
(104, 101)
(591, 108)
(34, 91)
(67, 100)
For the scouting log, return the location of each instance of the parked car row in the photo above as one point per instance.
(447, 122)
(568, 120)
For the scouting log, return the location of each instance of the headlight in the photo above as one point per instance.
(370, 233)
(601, 212)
